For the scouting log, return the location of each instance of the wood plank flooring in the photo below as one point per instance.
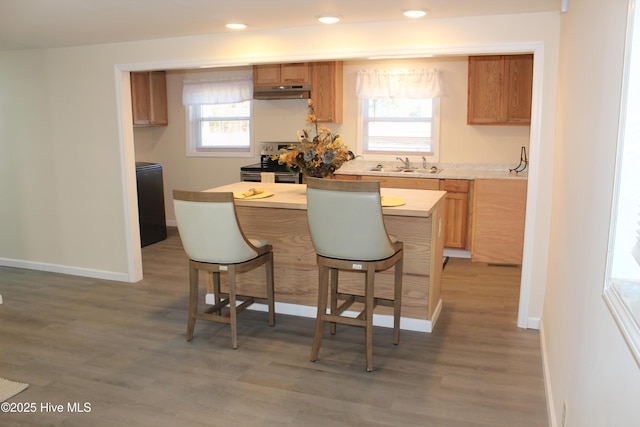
(121, 347)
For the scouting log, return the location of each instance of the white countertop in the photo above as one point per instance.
(419, 203)
(448, 170)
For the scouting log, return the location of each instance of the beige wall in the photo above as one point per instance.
(589, 363)
(279, 120)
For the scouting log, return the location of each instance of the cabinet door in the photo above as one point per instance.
(456, 212)
(294, 73)
(326, 91)
(158, 98)
(517, 93)
(485, 90)
(266, 75)
(140, 101)
(499, 215)
(455, 220)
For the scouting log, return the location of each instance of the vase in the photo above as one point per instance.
(317, 174)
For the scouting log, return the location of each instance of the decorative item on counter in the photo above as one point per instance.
(252, 193)
(524, 162)
(317, 156)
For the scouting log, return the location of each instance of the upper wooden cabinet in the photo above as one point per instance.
(149, 98)
(499, 91)
(281, 74)
(326, 90)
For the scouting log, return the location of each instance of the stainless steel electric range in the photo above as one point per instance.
(282, 173)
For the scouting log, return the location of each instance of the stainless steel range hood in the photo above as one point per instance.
(282, 92)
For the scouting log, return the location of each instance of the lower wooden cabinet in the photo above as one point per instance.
(499, 216)
(483, 216)
(410, 183)
(457, 214)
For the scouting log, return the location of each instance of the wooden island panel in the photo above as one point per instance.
(295, 268)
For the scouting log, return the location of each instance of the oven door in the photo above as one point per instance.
(280, 177)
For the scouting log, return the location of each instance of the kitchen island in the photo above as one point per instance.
(282, 220)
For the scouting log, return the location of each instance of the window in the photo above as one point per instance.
(220, 129)
(622, 284)
(400, 126)
(399, 111)
(219, 117)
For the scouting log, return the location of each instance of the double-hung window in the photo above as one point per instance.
(399, 111)
(399, 126)
(622, 282)
(219, 117)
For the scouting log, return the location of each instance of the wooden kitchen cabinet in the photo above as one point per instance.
(326, 90)
(499, 216)
(499, 91)
(398, 182)
(149, 98)
(457, 213)
(281, 74)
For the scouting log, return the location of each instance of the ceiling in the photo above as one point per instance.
(29, 24)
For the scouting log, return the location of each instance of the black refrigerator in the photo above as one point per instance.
(153, 226)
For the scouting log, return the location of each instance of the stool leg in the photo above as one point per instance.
(397, 301)
(333, 278)
(369, 304)
(193, 300)
(216, 285)
(232, 307)
(323, 282)
(270, 291)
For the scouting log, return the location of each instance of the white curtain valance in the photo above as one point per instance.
(220, 91)
(411, 84)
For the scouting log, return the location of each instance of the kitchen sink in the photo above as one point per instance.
(383, 169)
(432, 170)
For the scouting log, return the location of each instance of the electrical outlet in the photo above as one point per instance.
(563, 422)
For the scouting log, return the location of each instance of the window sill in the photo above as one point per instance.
(623, 301)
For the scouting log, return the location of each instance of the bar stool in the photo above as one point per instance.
(215, 243)
(348, 233)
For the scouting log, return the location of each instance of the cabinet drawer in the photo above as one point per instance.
(454, 185)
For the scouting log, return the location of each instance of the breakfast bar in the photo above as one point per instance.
(279, 216)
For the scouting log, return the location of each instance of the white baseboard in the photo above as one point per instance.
(64, 269)
(382, 320)
(547, 379)
(533, 323)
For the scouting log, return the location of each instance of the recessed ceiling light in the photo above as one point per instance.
(328, 19)
(236, 26)
(415, 13)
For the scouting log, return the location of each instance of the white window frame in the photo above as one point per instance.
(621, 291)
(431, 157)
(194, 137)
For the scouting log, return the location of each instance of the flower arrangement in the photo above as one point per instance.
(318, 156)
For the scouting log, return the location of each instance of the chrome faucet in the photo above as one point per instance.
(405, 162)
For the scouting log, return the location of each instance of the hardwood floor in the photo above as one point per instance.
(121, 347)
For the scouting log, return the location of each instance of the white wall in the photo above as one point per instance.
(588, 362)
(77, 216)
